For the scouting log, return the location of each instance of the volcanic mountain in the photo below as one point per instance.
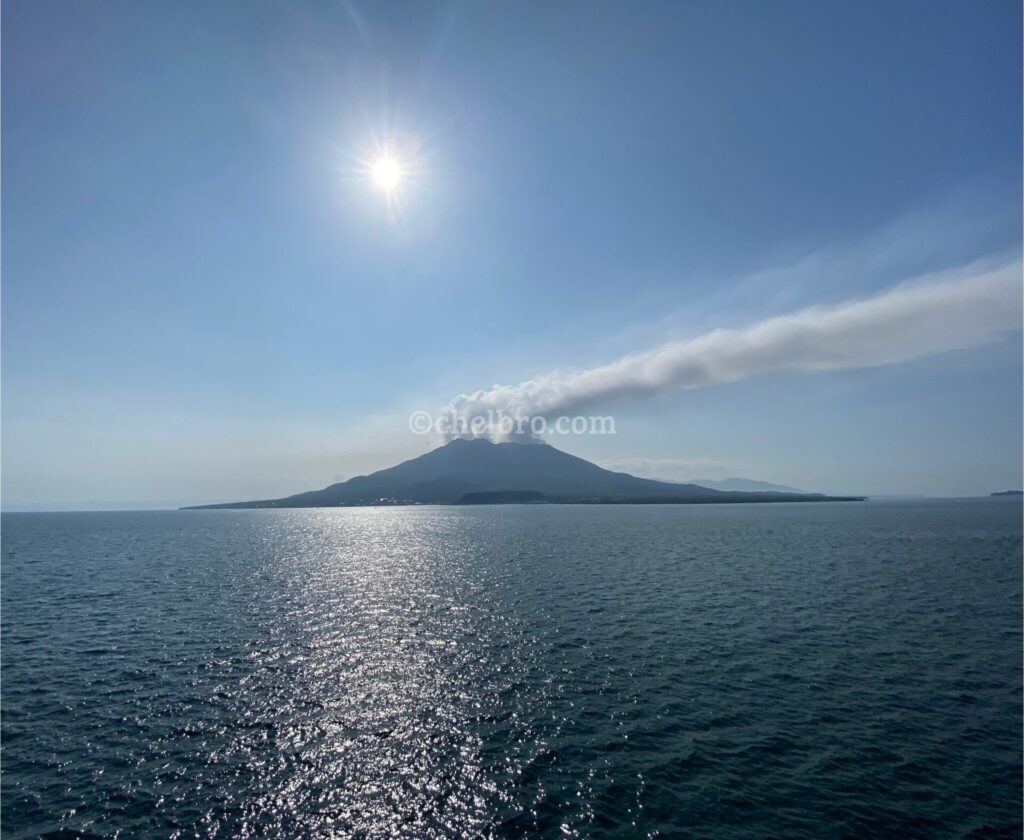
(479, 471)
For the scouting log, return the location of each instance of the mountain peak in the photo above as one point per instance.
(461, 441)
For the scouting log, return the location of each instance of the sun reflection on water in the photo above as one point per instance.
(376, 670)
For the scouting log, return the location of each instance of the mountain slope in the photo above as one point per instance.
(449, 472)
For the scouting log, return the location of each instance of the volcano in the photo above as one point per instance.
(481, 472)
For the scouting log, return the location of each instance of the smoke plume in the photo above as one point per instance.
(904, 323)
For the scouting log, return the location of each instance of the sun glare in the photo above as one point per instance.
(393, 167)
(387, 172)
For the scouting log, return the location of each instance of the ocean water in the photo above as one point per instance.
(721, 671)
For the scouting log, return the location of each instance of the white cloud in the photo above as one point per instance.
(932, 315)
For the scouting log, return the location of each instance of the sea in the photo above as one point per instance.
(832, 670)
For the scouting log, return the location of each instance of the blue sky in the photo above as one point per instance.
(205, 297)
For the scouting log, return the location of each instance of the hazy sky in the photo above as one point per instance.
(205, 297)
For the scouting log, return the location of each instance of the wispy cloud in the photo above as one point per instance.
(930, 315)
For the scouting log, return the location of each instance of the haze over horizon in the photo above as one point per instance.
(240, 249)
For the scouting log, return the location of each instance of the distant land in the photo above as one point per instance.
(481, 472)
(745, 485)
(1009, 493)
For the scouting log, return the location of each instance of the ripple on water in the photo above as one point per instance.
(734, 671)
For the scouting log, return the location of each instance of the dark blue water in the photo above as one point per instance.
(825, 670)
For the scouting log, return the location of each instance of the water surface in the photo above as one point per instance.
(719, 671)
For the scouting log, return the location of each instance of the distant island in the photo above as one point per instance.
(745, 485)
(474, 472)
(1008, 493)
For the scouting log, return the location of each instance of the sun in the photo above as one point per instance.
(391, 170)
(387, 172)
